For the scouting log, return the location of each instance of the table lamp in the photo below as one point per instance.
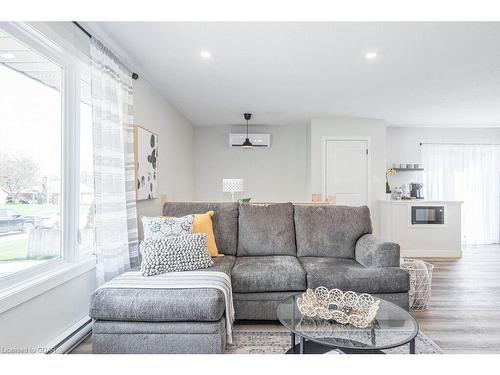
(232, 185)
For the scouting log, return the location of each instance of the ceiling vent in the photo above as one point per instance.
(258, 140)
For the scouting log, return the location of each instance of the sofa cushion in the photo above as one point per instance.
(157, 228)
(266, 230)
(175, 254)
(225, 220)
(267, 274)
(162, 305)
(157, 305)
(347, 274)
(203, 224)
(223, 264)
(330, 231)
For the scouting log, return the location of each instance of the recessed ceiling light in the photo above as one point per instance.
(7, 55)
(205, 54)
(371, 55)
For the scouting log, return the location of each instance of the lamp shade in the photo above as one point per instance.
(232, 185)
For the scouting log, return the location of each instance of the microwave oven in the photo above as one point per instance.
(427, 215)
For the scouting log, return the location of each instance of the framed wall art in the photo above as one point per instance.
(145, 163)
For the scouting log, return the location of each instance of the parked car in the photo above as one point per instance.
(21, 200)
(12, 221)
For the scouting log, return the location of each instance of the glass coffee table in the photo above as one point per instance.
(392, 327)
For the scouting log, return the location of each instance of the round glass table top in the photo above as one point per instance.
(392, 327)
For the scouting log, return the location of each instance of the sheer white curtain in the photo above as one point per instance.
(115, 211)
(470, 173)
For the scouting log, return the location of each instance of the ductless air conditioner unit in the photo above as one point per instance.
(258, 140)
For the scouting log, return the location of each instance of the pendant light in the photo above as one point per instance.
(247, 143)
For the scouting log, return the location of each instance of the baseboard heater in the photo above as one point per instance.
(70, 338)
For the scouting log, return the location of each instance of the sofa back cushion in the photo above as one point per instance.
(330, 231)
(225, 220)
(266, 230)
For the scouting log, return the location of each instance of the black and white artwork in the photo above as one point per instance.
(146, 163)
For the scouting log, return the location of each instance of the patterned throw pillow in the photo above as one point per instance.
(161, 226)
(173, 254)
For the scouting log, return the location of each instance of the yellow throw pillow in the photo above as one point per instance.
(203, 224)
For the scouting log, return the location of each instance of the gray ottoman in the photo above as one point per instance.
(158, 321)
(169, 321)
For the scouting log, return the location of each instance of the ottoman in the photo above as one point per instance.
(168, 321)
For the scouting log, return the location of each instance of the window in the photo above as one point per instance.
(46, 186)
(86, 218)
(468, 173)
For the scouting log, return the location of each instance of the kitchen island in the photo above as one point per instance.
(422, 228)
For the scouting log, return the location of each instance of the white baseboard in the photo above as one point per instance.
(431, 253)
(70, 338)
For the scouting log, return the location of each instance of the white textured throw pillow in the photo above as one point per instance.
(161, 227)
(176, 253)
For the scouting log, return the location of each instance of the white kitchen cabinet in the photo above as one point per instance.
(422, 240)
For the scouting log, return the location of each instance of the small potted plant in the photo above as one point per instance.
(388, 172)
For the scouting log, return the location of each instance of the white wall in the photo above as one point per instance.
(403, 145)
(351, 127)
(175, 137)
(277, 173)
(38, 321)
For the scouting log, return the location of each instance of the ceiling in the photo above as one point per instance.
(425, 74)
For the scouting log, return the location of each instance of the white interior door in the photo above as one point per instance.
(346, 171)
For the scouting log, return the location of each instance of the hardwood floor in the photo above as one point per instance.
(464, 313)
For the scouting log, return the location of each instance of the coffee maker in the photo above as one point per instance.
(416, 190)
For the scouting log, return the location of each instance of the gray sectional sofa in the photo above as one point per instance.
(270, 252)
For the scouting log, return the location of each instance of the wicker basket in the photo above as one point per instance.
(348, 307)
(420, 282)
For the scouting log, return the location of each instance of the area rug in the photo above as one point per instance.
(263, 342)
(275, 340)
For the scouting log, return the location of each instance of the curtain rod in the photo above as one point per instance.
(134, 75)
(459, 144)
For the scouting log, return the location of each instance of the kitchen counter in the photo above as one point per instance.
(422, 240)
(418, 201)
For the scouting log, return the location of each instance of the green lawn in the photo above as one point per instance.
(13, 246)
